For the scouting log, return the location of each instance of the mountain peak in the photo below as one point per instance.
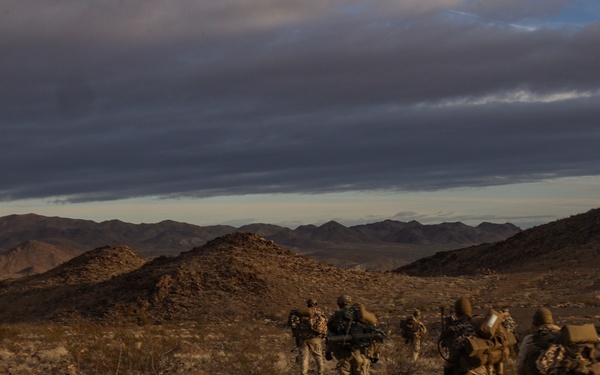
(97, 265)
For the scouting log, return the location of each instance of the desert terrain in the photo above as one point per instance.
(221, 308)
(31, 244)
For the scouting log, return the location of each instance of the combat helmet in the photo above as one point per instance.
(344, 300)
(462, 307)
(542, 316)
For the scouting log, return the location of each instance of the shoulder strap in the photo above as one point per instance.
(544, 338)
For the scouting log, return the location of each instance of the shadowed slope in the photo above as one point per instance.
(571, 243)
(32, 257)
(240, 275)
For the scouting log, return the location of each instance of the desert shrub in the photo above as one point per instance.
(148, 349)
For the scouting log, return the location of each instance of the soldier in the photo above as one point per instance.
(508, 322)
(309, 327)
(511, 326)
(350, 340)
(453, 337)
(412, 331)
(545, 333)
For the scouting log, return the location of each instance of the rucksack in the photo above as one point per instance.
(491, 343)
(354, 328)
(577, 352)
(543, 353)
(307, 323)
(409, 327)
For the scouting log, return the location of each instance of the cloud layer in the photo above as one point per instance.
(146, 98)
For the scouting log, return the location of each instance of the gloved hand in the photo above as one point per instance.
(328, 356)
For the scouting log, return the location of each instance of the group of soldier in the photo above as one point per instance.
(351, 338)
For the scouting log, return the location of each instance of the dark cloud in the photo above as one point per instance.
(101, 103)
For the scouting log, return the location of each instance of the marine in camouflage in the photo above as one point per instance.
(544, 335)
(309, 340)
(412, 331)
(352, 342)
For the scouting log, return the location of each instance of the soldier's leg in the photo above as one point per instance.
(303, 356)
(360, 363)
(416, 348)
(343, 366)
(316, 349)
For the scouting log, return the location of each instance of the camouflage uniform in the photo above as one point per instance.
(352, 360)
(414, 340)
(311, 345)
(307, 348)
(455, 336)
(511, 326)
(531, 346)
(509, 323)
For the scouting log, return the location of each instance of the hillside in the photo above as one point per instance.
(245, 276)
(32, 257)
(376, 246)
(234, 276)
(202, 311)
(51, 293)
(570, 243)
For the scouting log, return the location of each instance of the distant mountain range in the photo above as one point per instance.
(247, 275)
(32, 243)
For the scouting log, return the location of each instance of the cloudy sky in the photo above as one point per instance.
(300, 111)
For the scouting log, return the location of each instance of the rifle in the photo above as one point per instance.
(442, 349)
(443, 318)
(367, 337)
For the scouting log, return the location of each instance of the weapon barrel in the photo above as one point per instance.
(442, 316)
(356, 337)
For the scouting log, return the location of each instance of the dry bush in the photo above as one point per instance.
(187, 348)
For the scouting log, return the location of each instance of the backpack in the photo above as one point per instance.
(490, 344)
(409, 327)
(354, 328)
(307, 323)
(577, 353)
(544, 352)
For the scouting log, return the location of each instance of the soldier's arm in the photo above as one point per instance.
(527, 345)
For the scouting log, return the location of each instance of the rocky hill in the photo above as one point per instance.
(377, 246)
(67, 286)
(94, 266)
(572, 243)
(230, 277)
(32, 257)
(243, 276)
(240, 275)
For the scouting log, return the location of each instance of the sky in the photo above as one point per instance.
(295, 112)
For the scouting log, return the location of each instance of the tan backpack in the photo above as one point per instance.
(578, 352)
(307, 323)
(492, 344)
